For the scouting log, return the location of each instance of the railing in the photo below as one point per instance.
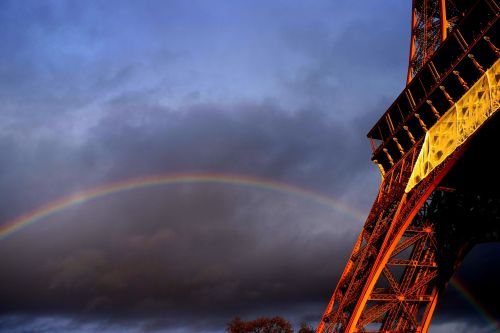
(456, 65)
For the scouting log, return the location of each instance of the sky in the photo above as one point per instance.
(97, 92)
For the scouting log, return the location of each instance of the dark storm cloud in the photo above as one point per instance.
(167, 253)
(134, 139)
(99, 92)
(259, 139)
(154, 257)
(477, 279)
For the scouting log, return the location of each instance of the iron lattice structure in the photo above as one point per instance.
(434, 148)
(431, 21)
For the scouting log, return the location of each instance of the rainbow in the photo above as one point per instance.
(53, 207)
(469, 297)
(44, 211)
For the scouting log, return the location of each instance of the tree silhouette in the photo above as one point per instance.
(306, 328)
(260, 325)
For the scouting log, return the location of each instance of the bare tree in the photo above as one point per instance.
(306, 328)
(260, 325)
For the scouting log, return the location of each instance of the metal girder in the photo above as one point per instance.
(414, 263)
(400, 262)
(431, 22)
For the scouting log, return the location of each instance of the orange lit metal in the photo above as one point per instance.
(429, 28)
(398, 266)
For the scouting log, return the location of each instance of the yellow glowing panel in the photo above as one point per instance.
(458, 124)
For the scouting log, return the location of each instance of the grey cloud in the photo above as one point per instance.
(147, 94)
(262, 139)
(459, 327)
(159, 255)
(348, 69)
(174, 251)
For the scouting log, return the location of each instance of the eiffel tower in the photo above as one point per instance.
(440, 191)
